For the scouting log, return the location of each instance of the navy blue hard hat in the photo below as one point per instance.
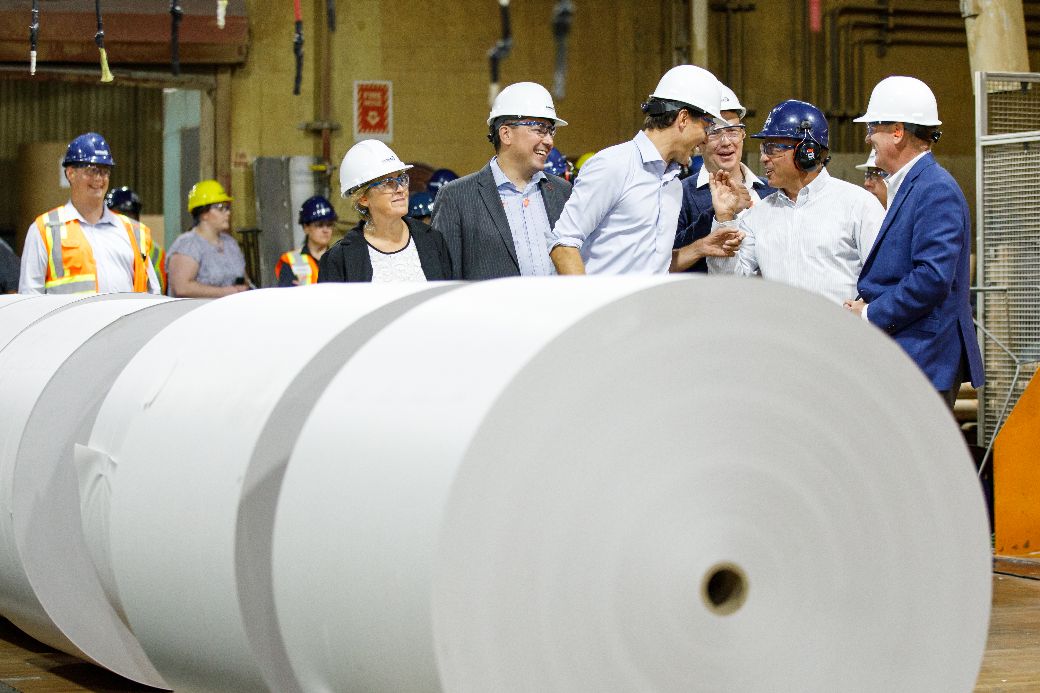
(90, 148)
(792, 119)
(124, 200)
(420, 205)
(438, 179)
(556, 163)
(317, 208)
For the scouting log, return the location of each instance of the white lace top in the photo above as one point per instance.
(399, 266)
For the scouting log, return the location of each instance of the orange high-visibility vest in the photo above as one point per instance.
(303, 266)
(71, 268)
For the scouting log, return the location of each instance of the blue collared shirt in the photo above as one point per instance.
(623, 210)
(528, 222)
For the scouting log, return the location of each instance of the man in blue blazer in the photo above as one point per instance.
(723, 151)
(914, 284)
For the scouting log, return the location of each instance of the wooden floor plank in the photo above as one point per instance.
(1011, 663)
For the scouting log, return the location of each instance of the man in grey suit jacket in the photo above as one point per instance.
(497, 221)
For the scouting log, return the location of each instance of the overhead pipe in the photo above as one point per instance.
(834, 100)
(731, 8)
(857, 64)
(842, 101)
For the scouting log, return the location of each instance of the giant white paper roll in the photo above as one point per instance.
(603, 485)
(11, 299)
(198, 429)
(21, 311)
(53, 375)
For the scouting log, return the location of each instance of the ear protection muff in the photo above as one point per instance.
(807, 155)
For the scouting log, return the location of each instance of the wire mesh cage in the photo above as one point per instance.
(1008, 238)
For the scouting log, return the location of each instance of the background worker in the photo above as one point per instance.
(915, 284)
(438, 179)
(420, 206)
(83, 247)
(874, 178)
(723, 151)
(622, 215)
(496, 221)
(206, 261)
(815, 231)
(125, 201)
(8, 269)
(318, 219)
(386, 245)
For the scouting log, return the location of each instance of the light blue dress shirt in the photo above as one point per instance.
(528, 222)
(623, 210)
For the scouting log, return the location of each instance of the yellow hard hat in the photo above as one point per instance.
(206, 192)
(582, 159)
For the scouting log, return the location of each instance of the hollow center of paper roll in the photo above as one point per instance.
(724, 588)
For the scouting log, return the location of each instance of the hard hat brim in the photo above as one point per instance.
(895, 118)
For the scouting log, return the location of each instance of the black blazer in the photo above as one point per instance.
(469, 213)
(348, 260)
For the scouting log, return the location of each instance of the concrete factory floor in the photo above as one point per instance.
(1011, 664)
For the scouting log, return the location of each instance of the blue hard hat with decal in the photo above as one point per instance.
(556, 163)
(439, 178)
(797, 120)
(89, 148)
(317, 208)
(124, 200)
(420, 205)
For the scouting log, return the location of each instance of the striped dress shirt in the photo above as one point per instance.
(817, 242)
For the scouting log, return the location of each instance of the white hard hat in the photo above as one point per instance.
(901, 100)
(691, 85)
(728, 101)
(524, 99)
(870, 163)
(366, 161)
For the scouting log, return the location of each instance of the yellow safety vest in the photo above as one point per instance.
(71, 268)
(158, 260)
(303, 266)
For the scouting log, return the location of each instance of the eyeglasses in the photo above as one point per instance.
(390, 183)
(873, 127)
(772, 149)
(94, 171)
(733, 133)
(874, 173)
(538, 128)
(221, 206)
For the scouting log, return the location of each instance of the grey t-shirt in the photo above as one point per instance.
(217, 266)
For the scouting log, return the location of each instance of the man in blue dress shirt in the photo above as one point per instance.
(622, 213)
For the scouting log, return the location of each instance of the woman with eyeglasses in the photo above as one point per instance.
(386, 245)
(206, 262)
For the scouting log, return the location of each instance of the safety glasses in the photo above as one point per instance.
(540, 129)
(772, 149)
(877, 125)
(390, 183)
(95, 171)
(733, 133)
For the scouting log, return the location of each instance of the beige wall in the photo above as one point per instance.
(435, 53)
